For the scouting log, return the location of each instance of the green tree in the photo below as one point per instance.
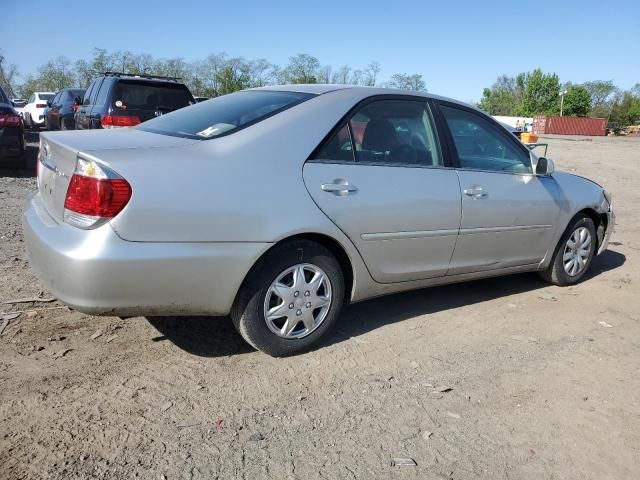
(541, 95)
(302, 68)
(408, 82)
(504, 97)
(8, 76)
(626, 110)
(603, 96)
(577, 101)
(233, 76)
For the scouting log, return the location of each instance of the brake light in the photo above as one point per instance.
(95, 195)
(41, 105)
(114, 121)
(75, 107)
(9, 120)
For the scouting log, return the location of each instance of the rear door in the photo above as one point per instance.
(508, 213)
(53, 114)
(380, 177)
(82, 114)
(96, 110)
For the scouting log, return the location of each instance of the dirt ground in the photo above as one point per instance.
(543, 380)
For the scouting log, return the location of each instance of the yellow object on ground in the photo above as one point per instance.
(528, 137)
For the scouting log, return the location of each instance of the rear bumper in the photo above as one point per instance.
(97, 272)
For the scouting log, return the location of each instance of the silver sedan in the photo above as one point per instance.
(278, 205)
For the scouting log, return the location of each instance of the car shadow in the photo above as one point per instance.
(216, 336)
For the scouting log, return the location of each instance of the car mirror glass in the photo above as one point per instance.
(545, 166)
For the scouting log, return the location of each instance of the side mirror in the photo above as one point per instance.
(48, 103)
(78, 100)
(545, 167)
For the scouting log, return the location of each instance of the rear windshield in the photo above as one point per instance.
(46, 96)
(224, 115)
(151, 95)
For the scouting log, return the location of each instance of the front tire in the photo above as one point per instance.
(291, 299)
(573, 253)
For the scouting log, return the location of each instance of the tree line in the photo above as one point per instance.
(217, 74)
(538, 93)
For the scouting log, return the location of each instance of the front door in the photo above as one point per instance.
(508, 214)
(381, 179)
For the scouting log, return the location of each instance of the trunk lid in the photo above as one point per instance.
(59, 151)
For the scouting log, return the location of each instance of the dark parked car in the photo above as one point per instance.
(59, 115)
(11, 134)
(125, 100)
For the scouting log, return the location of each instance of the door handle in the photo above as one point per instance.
(476, 192)
(339, 187)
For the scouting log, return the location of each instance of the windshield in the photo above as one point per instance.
(223, 115)
(46, 96)
(163, 96)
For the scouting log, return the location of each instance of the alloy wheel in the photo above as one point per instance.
(298, 301)
(577, 251)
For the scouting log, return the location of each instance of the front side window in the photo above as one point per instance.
(224, 115)
(387, 132)
(481, 146)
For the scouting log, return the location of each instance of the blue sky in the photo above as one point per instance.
(458, 46)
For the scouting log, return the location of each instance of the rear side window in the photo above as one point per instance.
(386, 132)
(103, 92)
(162, 96)
(87, 95)
(224, 115)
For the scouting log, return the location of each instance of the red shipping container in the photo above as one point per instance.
(569, 125)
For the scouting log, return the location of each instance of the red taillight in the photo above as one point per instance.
(9, 119)
(111, 121)
(41, 105)
(97, 197)
(75, 107)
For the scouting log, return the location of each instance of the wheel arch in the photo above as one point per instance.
(330, 243)
(599, 220)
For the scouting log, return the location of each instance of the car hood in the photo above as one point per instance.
(115, 139)
(560, 175)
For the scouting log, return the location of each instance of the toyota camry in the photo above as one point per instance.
(278, 205)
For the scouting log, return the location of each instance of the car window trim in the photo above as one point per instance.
(363, 103)
(494, 125)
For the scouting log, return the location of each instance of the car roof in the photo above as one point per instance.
(320, 89)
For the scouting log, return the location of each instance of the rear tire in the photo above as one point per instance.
(573, 254)
(309, 314)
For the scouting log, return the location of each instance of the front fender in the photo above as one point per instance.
(580, 194)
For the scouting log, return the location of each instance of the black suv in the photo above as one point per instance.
(125, 100)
